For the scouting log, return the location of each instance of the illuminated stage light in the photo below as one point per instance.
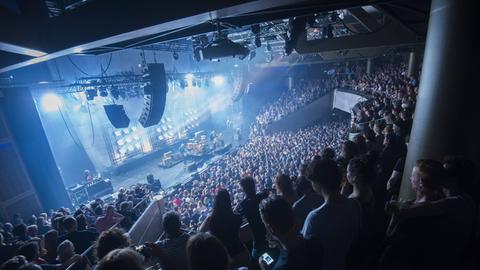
(129, 139)
(138, 146)
(218, 80)
(130, 148)
(147, 147)
(126, 131)
(120, 142)
(158, 130)
(136, 137)
(189, 76)
(118, 133)
(160, 137)
(123, 150)
(134, 128)
(51, 102)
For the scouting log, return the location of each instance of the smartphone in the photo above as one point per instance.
(267, 258)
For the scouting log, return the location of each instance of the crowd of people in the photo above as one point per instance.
(302, 93)
(55, 240)
(311, 199)
(392, 98)
(262, 157)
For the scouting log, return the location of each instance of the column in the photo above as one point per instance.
(445, 114)
(412, 63)
(369, 66)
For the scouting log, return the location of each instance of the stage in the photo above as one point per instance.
(168, 176)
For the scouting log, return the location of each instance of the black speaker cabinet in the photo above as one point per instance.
(154, 94)
(117, 116)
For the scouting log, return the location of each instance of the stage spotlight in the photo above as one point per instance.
(103, 92)
(189, 76)
(114, 92)
(327, 31)
(258, 42)
(269, 58)
(256, 29)
(218, 80)
(269, 47)
(51, 102)
(91, 94)
(252, 54)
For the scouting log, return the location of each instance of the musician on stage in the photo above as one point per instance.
(88, 178)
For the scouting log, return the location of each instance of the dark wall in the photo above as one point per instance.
(22, 118)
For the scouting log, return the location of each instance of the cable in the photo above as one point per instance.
(108, 65)
(91, 123)
(57, 69)
(77, 67)
(68, 129)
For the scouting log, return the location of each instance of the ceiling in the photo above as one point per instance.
(41, 30)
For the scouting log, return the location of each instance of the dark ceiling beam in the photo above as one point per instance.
(364, 18)
(418, 11)
(381, 38)
(388, 11)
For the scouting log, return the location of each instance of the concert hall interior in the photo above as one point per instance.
(241, 134)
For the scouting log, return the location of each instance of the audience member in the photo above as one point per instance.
(309, 201)
(225, 225)
(337, 222)
(249, 209)
(175, 241)
(121, 259)
(296, 251)
(80, 239)
(205, 251)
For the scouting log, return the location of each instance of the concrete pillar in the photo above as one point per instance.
(369, 66)
(412, 63)
(446, 114)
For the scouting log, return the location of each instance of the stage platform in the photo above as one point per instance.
(168, 176)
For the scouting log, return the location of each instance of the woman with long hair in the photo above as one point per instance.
(225, 225)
